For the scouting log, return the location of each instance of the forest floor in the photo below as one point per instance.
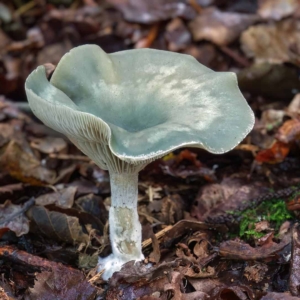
(214, 226)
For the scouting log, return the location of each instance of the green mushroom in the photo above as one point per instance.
(126, 109)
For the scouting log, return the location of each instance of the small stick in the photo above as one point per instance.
(158, 235)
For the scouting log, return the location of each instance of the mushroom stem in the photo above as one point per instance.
(125, 228)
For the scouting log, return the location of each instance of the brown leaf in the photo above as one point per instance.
(279, 296)
(3, 295)
(177, 35)
(155, 254)
(233, 292)
(12, 217)
(234, 249)
(49, 144)
(289, 131)
(149, 12)
(55, 281)
(219, 27)
(275, 154)
(277, 9)
(57, 226)
(24, 166)
(256, 272)
(215, 202)
(61, 284)
(200, 272)
(169, 210)
(274, 42)
(63, 198)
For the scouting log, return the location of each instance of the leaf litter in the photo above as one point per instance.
(214, 227)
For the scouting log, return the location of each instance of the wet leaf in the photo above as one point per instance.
(57, 226)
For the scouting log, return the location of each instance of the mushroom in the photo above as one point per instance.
(126, 109)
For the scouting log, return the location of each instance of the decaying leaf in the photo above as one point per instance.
(61, 284)
(216, 201)
(13, 217)
(57, 226)
(53, 280)
(234, 249)
(274, 42)
(200, 272)
(219, 27)
(255, 272)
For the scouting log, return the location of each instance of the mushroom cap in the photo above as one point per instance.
(142, 103)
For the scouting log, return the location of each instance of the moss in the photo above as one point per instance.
(273, 211)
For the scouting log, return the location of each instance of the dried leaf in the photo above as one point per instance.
(25, 167)
(219, 27)
(256, 272)
(279, 296)
(155, 254)
(235, 249)
(277, 9)
(274, 42)
(289, 131)
(61, 284)
(63, 198)
(49, 144)
(149, 12)
(294, 106)
(275, 154)
(177, 35)
(12, 217)
(57, 226)
(216, 202)
(199, 272)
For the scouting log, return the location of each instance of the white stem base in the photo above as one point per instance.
(125, 228)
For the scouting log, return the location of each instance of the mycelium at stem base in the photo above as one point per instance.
(125, 228)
